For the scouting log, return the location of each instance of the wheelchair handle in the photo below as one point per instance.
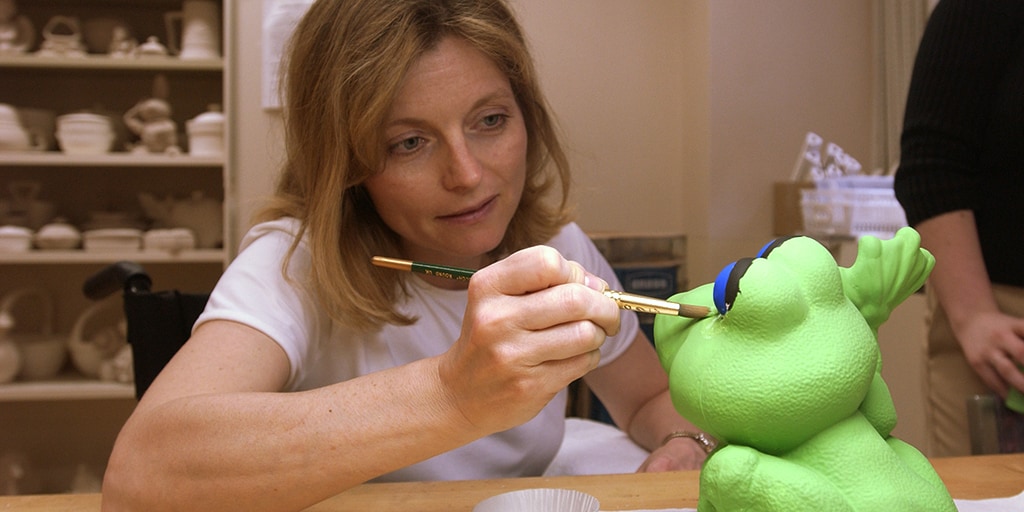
(123, 275)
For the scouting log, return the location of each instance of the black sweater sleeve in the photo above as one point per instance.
(960, 71)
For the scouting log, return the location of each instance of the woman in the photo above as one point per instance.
(960, 180)
(415, 129)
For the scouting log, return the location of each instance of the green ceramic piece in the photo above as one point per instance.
(789, 381)
(1015, 401)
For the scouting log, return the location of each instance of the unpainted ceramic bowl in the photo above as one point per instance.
(83, 120)
(42, 355)
(58, 235)
(15, 239)
(86, 142)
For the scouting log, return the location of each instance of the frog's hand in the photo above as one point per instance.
(670, 331)
(878, 407)
(886, 273)
(742, 478)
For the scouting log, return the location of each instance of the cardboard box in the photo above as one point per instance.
(787, 216)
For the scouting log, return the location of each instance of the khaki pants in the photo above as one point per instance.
(950, 381)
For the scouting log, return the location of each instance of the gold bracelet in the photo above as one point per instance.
(705, 441)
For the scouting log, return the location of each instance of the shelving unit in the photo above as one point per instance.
(68, 387)
(49, 421)
(55, 158)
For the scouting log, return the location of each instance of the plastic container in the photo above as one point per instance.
(852, 206)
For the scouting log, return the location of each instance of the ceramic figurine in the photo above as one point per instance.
(122, 45)
(787, 377)
(17, 34)
(150, 119)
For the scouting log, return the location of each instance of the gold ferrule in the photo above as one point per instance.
(392, 263)
(642, 304)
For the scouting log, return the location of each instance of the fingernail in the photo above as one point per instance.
(594, 282)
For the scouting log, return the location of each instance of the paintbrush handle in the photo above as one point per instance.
(630, 301)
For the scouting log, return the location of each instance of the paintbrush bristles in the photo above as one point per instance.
(690, 311)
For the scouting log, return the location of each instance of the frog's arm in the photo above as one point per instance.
(885, 273)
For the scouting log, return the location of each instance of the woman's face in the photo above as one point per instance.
(456, 157)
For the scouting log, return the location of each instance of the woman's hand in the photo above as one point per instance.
(534, 323)
(993, 343)
(679, 453)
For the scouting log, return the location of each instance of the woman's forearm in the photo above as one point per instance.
(959, 278)
(274, 451)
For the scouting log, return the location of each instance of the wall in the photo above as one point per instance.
(778, 70)
(678, 115)
(260, 148)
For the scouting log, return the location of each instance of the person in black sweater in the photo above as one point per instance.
(960, 181)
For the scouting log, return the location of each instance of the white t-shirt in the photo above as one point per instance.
(253, 292)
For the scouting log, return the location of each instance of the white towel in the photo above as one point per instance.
(595, 448)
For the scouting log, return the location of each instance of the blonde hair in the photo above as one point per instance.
(345, 63)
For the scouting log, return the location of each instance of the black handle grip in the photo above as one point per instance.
(123, 275)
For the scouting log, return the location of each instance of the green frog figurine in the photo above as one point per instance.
(787, 377)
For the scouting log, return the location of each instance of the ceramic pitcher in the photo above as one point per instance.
(14, 136)
(200, 30)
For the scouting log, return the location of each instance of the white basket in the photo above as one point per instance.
(852, 206)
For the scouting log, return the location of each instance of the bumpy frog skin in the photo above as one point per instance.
(789, 381)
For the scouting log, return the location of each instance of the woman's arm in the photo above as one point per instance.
(634, 389)
(214, 433)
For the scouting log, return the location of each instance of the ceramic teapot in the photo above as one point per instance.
(62, 37)
(10, 356)
(198, 213)
(14, 136)
(151, 48)
(42, 352)
(97, 336)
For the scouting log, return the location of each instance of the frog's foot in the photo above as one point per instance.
(741, 478)
(920, 465)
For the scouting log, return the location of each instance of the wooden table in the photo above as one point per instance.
(989, 476)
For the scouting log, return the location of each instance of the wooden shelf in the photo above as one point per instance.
(55, 257)
(105, 62)
(70, 387)
(56, 158)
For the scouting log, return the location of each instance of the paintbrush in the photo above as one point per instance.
(630, 301)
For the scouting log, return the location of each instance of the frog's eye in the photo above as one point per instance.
(771, 246)
(727, 284)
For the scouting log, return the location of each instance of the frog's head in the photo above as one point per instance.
(787, 355)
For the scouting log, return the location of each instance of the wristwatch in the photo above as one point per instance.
(705, 441)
